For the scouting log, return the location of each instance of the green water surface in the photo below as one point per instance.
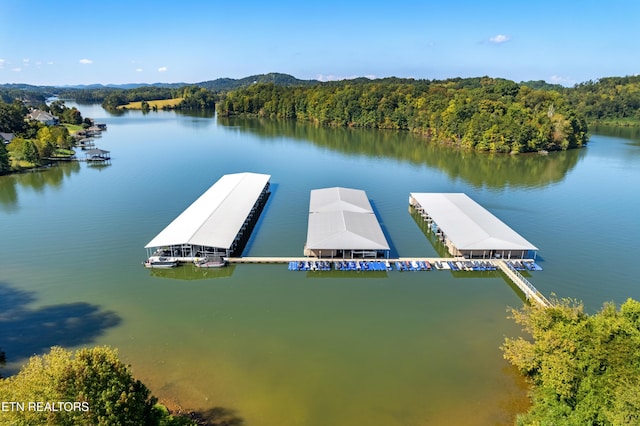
(273, 347)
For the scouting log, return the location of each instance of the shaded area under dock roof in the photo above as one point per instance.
(469, 227)
(217, 216)
(342, 223)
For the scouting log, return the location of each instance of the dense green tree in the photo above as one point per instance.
(101, 386)
(12, 117)
(194, 97)
(584, 368)
(114, 100)
(51, 137)
(56, 107)
(5, 167)
(16, 147)
(30, 152)
(31, 129)
(71, 116)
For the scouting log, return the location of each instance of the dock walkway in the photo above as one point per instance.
(306, 259)
(529, 290)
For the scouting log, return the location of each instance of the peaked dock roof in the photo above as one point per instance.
(342, 219)
(339, 199)
(468, 225)
(215, 218)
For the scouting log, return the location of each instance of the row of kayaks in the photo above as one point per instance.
(320, 265)
(363, 265)
(414, 265)
(407, 265)
(523, 265)
(310, 265)
(467, 265)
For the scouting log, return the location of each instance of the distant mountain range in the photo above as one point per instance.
(218, 85)
(224, 84)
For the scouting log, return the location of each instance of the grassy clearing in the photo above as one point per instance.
(72, 128)
(159, 104)
(63, 153)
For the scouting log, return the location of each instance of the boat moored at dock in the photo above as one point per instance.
(210, 262)
(160, 262)
(217, 224)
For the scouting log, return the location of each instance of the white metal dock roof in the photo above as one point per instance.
(342, 219)
(215, 218)
(468, 225)
(337, 198)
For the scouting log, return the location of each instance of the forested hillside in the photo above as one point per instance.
(158, 91)
(480, 113)
(611, 99)
(226, 84)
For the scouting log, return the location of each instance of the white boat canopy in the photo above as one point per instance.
(217, 216)
(342, 219)
(468, 225)
(339, 199)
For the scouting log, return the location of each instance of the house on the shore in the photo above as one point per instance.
(43, 117)
(6, 137)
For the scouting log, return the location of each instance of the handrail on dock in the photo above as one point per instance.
(529, 290)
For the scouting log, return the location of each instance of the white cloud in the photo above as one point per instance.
(2, 62)
(139, 70)
(331, 77)
(16, 69)
(162, 69)
(565, 81)
(500, 38)
(86, 61)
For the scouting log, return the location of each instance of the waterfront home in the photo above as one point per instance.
(43, 117)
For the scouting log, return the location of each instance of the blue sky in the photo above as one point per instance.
(74, 42)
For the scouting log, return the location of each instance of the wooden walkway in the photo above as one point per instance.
(306, 259)
(530, 292)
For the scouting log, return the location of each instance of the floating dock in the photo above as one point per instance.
(218, 223)
(454, 264)
(469, 230)
(342, 223)
(344, 234)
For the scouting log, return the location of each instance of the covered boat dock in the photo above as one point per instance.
(469, 230)
(218, 223)
(342, 224)
(96, 154)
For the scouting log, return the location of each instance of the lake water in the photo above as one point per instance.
(273, 347)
